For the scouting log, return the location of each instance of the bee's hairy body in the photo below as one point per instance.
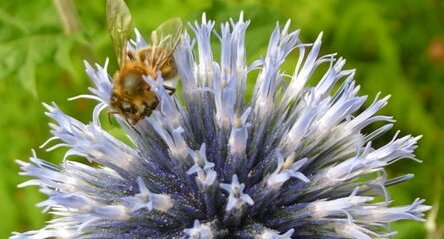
(131, 96)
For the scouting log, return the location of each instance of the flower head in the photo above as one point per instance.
(292, 162)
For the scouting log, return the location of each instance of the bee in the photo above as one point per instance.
(131, 95)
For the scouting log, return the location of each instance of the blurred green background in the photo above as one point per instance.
(397, 47)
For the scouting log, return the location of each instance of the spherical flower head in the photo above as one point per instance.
(291, 162)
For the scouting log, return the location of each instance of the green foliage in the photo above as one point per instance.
(395, 46)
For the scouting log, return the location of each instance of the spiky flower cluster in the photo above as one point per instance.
(292, 162)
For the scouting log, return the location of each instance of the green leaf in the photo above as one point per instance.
(13, 22)
(26, 73)
(63, 56)
(7, 208)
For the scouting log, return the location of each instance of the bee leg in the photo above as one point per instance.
(109, 116)
(129, 123)
(131, 56)
(134, 128)
(170, 89)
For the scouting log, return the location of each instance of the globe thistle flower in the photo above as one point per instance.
(292, 162)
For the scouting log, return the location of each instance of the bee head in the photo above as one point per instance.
(133, 110)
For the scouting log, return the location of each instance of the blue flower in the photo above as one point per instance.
(292, 162)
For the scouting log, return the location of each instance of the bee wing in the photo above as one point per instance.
(164, 40)
(118, 19)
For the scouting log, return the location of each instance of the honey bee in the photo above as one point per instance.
(131, 95)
